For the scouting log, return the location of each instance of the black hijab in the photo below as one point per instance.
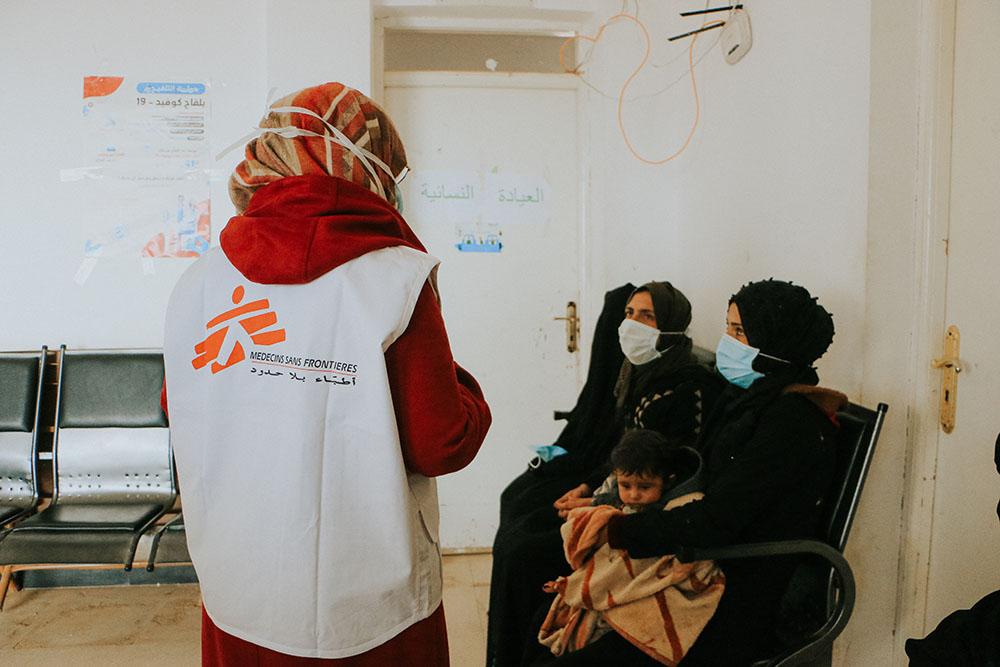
(673, 313)
(784, 321)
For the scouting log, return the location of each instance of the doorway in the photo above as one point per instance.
(495, 194)
(964, 553)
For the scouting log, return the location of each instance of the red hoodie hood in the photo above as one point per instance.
(298, 228)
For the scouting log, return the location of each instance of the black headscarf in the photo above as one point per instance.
(673, 313)
(785, 321)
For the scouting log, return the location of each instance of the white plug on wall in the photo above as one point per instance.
(736, 38)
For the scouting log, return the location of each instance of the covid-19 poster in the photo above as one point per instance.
(143, 180)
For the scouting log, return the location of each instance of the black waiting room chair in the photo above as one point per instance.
(113, 466)
(22, 376)
(823, 583)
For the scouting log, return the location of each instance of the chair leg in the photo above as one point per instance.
(5, 576)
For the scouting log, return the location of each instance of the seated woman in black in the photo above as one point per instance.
(769, 451)
(660, 387)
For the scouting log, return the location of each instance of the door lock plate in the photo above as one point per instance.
(572, 327)
(951, 366)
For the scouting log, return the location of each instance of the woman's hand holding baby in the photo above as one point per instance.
(579, 496)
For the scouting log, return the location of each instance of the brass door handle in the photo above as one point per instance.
(948, 363)
(951, 366)
(572, 327)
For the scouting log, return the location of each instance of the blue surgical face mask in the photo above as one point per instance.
(545, 453)
(734, 360)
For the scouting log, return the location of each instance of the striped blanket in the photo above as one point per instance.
(660, 605)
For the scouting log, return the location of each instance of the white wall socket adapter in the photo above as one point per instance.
(736, 38)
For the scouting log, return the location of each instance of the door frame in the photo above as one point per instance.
(931, 224)
(592, 280)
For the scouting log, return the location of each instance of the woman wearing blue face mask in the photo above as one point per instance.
(769, 452)
(661, 387)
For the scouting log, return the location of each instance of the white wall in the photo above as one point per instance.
(893, 297)
(314, 41)
(45, 51)
(774, 182)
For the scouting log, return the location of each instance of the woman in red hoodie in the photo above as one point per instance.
(313, 397)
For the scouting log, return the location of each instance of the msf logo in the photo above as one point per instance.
(252, 322)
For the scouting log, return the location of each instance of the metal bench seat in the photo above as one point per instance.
(113, 466)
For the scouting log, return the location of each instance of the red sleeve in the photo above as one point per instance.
(440, 410)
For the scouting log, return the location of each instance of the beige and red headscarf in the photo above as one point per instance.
(271, 156)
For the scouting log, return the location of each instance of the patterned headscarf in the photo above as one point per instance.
(270, 157)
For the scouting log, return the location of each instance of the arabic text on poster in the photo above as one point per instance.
(144, 184)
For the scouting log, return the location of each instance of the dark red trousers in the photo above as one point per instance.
(424, 643)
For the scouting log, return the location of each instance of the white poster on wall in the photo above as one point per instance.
(478, 203)
(143, 180)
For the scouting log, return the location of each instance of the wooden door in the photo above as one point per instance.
(965, 546)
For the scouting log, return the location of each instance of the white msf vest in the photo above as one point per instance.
(308, 534)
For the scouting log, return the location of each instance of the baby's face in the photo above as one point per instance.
(638, 490)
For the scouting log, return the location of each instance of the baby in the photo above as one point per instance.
(638, 597)
(645, 468)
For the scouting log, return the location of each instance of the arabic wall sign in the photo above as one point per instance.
(143, 180)
(489, 196)
(516, 198)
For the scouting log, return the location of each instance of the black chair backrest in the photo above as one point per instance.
(21, 381)
(102, 388)
(20, 384)
(813, 591)
(859, 430)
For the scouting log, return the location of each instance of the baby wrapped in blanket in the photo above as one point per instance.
(660, 605)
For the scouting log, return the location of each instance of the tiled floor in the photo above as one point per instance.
(159, 625)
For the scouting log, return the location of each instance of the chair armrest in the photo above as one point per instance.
(839, 610)
(762, 549)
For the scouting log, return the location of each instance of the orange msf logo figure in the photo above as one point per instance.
(210, 349)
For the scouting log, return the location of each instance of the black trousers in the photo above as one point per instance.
(527, 552)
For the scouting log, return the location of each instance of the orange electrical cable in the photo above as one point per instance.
(634, 74)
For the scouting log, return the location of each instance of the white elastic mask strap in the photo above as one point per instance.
(365, 156)
(361, 153)
(239, 142)
(256, 132)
